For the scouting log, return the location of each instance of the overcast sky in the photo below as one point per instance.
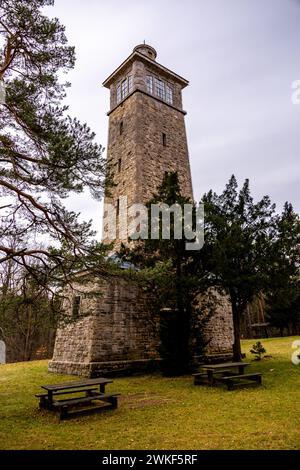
(240, 56)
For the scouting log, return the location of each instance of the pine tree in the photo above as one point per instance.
(283, 299)
(170, 275)
(45, 155)
(239, 236)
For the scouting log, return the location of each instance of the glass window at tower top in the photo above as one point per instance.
(155, 86)
(124, 88)
(159, 88)
(150, 84)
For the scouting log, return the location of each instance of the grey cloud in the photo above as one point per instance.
(240, 56)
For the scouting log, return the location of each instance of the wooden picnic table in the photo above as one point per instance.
(74, 387)
(91, 394)
(212, 373)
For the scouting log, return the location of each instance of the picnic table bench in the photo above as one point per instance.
(231, 374)
(243, 380)
(94, 397)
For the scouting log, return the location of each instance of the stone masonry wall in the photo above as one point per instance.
(123, 147)
(120, 330)
(153, 158)
(144, 158)
(218, 331)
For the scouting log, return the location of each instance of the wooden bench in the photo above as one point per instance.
(44, 402)
(64, 406)
(88, 395)
(213, 374)
(242, 380)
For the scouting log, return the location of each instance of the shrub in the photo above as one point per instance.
(258, 350)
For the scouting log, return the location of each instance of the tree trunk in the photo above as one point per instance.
(28, 335)
(236, 316)
(281, 331)
(183, 359)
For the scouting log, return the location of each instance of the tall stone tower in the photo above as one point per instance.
(119, 332)
(147, 134)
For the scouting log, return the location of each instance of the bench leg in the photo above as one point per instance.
(43, 402)
(210, 377)
(202, 380)
(230, 385)
(114, 402)
(63, 414)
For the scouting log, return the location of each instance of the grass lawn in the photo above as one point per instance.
(161, 413)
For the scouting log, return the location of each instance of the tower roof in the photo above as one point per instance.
(147, 50)
(147, 54)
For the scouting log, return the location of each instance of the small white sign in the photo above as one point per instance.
(2, 352)
(296, 354)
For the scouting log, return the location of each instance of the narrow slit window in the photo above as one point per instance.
(121, 127)
(118, 207)
(119, 165)
(164, 140)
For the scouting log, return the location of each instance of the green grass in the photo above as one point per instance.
(161, 413)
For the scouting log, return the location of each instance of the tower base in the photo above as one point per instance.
(118, 333)
(107, 369)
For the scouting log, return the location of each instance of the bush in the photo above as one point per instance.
(258, 350)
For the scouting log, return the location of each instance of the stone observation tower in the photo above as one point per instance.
(147, 134)
(147, 137)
